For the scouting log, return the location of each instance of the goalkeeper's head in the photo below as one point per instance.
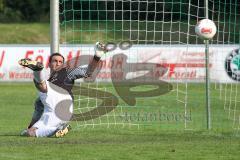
(55, 61)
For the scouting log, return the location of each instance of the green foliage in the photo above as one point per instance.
(24, 11)
(38, 10)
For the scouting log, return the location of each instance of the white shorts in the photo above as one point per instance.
(58, 109)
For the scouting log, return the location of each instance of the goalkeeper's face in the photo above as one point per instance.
(56, 62)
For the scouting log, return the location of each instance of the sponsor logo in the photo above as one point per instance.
(232, 65)
(206, 30)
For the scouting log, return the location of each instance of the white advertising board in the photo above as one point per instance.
(183, 62)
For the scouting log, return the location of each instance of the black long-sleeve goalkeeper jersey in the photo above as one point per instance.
(65, 77)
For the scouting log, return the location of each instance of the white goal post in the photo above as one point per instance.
(54, 26)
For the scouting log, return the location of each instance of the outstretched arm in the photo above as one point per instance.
(100, 49)
(84, 72)
(92, 66)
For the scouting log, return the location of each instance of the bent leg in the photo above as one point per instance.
(45, 131)
(42, 128)
(38, 111)
(39, 81)
(40, 132)
(38, 73)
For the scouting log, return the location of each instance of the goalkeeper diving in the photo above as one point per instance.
(57, 89)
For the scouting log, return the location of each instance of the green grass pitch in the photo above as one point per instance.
(151, 140)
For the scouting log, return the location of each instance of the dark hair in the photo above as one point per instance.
(55, 54)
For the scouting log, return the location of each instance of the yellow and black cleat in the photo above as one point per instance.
(33, 65)
(62, 132)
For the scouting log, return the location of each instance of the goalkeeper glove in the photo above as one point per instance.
(100, 49)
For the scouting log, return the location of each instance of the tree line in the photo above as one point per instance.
(24, 10)
(38, 10)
